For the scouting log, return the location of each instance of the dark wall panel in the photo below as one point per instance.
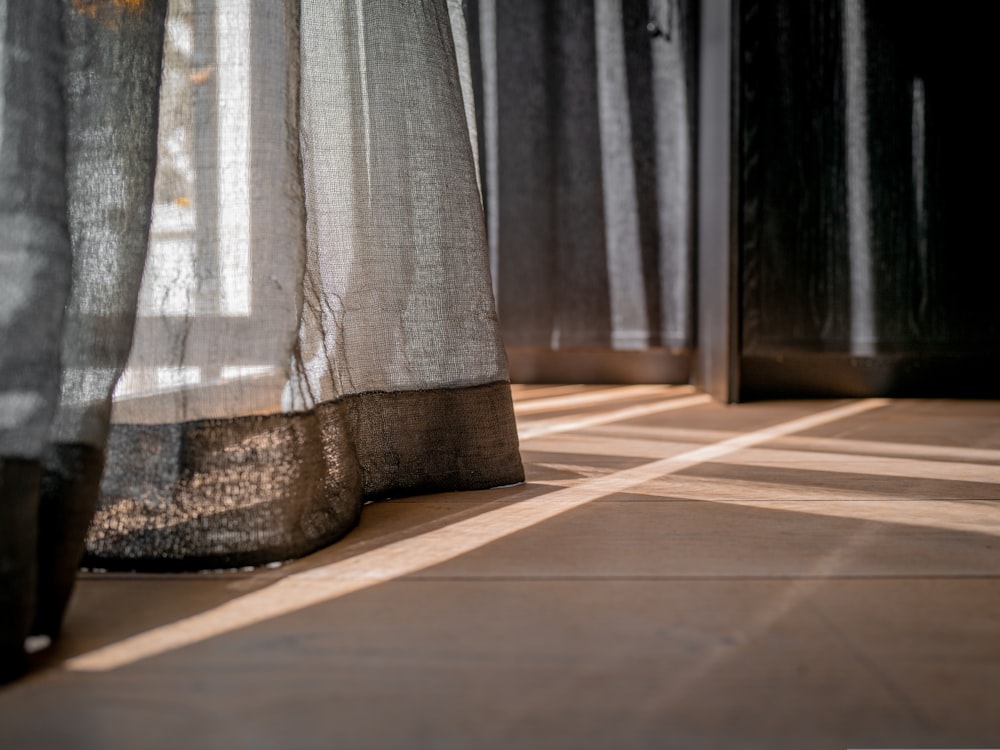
(866, 231)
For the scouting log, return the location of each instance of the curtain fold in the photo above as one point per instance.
(79, 112)
(314, 327)
(34, 282)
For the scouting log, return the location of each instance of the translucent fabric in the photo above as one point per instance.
(77, 155)
(586, 138)
(315, 324)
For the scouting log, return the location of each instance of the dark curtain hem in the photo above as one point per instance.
(70, 485)
(19, 482)
(251, 490)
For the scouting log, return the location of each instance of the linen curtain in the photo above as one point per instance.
(586, 132)
(314, 326)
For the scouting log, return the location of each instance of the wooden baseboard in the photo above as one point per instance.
(843, 375)
(596, 366)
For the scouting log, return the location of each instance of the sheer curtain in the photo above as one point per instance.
(315, 325)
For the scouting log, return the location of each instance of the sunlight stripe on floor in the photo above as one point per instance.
(927, 451)
(590, 398)
(528, 430)
(853, 463)
(860, 503)
(407, 556)
(528, 392)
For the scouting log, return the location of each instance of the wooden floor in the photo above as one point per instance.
(674, 574)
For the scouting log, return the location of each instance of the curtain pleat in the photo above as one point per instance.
(34, 283)
(78, 119)
(244, 284)
(112, 80)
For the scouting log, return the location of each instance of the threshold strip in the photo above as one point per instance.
(319, 585)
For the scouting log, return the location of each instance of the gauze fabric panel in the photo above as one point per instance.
(316, 324)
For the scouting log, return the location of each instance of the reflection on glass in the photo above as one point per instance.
(919, 149)
(858, 186)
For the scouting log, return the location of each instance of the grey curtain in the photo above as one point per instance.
(314, 325)
(586, 137)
